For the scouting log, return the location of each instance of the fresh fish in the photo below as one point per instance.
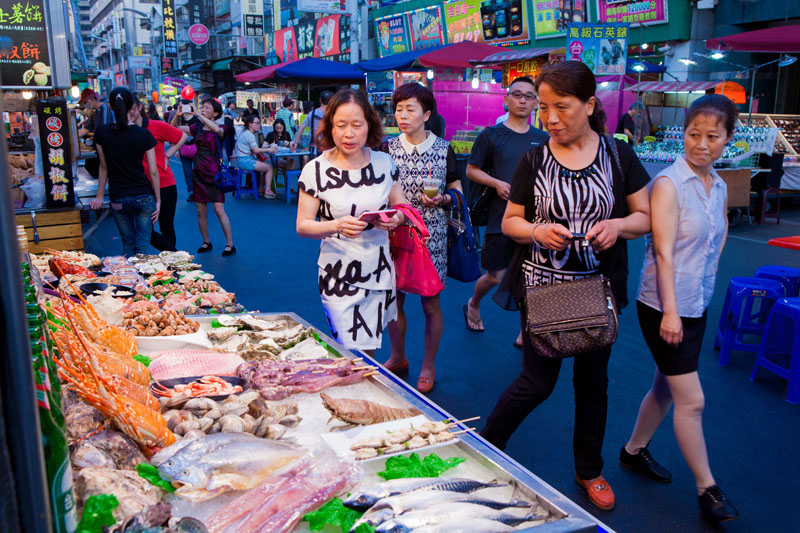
(241, 464)
(457, 513)
(187, 363)
(403, 503)
(374, 518)
(361, 500)
(473, 525)
(192, 452)
(165, 453)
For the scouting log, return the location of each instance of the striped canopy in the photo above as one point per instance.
(665, 86)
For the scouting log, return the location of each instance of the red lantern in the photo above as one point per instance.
(155, 97)
(187, 93)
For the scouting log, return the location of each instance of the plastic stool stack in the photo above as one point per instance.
(787, 276)
(783, 324)
(241, 189)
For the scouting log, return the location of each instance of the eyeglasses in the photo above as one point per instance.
(519, 95)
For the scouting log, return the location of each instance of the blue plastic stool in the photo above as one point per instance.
(787, 276)
(740, 316)
(291, 186)
(785, 311)
(241, 189)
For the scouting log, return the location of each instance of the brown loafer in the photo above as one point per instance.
(425, 385)
(599, 492)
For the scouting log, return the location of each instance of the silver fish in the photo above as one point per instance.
(373, 518)
(473, 525)
(419, 499)
(361, 500)
(450, 512)
(191, 452)
(165, 453)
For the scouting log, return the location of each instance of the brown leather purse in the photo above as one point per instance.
(571, 318)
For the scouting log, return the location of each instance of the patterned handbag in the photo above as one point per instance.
(463, 255)
(571, 318)
(413, 266)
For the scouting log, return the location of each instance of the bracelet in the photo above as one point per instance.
(533, 239)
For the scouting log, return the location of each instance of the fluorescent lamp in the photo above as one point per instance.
(475, 82)
(27, 95)
(75, 91)
(430, 73)
(687, 61)
(639, 66)
(717, 54)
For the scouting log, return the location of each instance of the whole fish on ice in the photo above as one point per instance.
(361, 500)
(453, 513)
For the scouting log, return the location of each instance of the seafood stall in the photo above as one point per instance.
(182, 412)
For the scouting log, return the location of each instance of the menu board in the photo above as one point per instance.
(523, 67)
(601, 47)
(392, 35)
(632, 11)
(551, 17)
(26, 63)
(54, 128)
(425, 28)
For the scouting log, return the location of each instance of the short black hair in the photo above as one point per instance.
(410, 90)
(325, 97)
(714, 104)
(249, 101)
(215, 105)
(287, 102)
(231, 102)
(523, 79)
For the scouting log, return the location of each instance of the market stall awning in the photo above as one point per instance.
(779, 39)
(225, 64)
(670, 86)
(512, 55)
(457, 55)
(312, 68)
(260, 74)
(393, 62)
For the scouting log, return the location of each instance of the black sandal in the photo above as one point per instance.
(207, 246)
(228, 251)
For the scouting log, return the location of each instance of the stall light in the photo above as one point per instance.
(247, 83)
(430, 73)
(75, 91)
(786, 60)
(603, 84)
(27, 95)
(717, 54)
(687, 61)
(639, 66)
(645, 46)
(475, 82)
(492, 80)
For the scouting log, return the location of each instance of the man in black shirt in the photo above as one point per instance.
(250, 110)
(627, 123)
(494, 158)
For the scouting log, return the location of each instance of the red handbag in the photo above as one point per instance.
(413, 265)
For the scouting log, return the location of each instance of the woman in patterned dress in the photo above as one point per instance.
(421, 156)
(356, 271)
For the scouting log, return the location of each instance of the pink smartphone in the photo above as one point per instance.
(373, 216)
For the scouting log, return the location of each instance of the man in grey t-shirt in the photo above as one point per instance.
(494, 158)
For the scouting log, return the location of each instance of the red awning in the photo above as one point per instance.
(261, 73)
(457, 55)
(778, 39)
(512, 55)
(669, 86)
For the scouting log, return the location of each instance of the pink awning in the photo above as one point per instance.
(513, 55)
(778, 39)
(261, 73)
(666, 86)
(457, 55)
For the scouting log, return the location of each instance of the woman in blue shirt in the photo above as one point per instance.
(689, 226)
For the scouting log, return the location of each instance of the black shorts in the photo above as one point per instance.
(497, 251)
(672, 360)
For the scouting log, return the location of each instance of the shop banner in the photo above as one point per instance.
(633, 11)
(286, 45)
(178, 83)
(503, 22)
(601, 47)
(253, 18)
(392, 35)
(27, 61)
(551, 17)
(322, 6)
(54, 128)
(425, 28)
(326, 40)
(167, 64)
(170, 42)
(380, 82)
(196, 17)
(523, 67)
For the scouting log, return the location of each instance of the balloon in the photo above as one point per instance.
(155, 97)
(187, 93)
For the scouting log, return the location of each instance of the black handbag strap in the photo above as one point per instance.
(460, 205)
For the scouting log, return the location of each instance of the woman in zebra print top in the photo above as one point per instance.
(572, 184)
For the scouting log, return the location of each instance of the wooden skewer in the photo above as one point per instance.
(368, 374)
(358, 368)
(466, 420)
(357, 359)
(456, 433)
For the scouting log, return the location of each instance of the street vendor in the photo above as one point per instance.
(100, 114)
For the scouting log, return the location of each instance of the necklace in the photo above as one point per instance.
(575, 174)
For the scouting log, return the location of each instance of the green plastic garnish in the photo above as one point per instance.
(98, 513)
(324, 344)
(336, 514)
(150, 473)
(148, 296)
(216, 324)
(400, 466)
(143, 359)
(213, 312)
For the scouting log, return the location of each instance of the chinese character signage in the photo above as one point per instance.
(253, 18)
(314, 37)
(504, 22)
(26, 63)
(392, 35)
(326, 40)
(633, 11)
(54, 128)
(425, 28)
(523, 67)
(551, 17)
(286, 45)
(197, 16)
(170, 42)
(322, 6)
(601, 47)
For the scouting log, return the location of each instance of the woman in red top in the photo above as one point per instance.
(163, 132)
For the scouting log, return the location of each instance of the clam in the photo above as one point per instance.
(185, 427)
(214, 414)
(290, 421)
(175, 402)
(205, 424)
(231, 424)
(179, 418)
(275, 431)
(234, 409)
(194, 434)
(260, 427)
(249, 423)
(200, 406)
(247, 397)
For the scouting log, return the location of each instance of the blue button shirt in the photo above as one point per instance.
(702, 221)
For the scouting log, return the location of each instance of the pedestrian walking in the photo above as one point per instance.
(356, 271)
(121, 148)
(688, 209)
(495, 155)
(207, 137)
(425, 162)
(163, 133)
(579, 182)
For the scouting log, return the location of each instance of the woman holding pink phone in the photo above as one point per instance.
(427, 168)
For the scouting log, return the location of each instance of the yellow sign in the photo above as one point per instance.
(167, 90)
(137, 51)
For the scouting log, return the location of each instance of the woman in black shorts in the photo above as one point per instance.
(677, 284)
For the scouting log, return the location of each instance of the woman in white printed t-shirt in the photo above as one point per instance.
(356, 271)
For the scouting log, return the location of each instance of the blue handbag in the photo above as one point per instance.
(226, 180)
(463, 255)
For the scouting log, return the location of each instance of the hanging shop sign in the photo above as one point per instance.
(180, 83)
(314, 37)
(502, 22)
(551, 17)
(253, 18)
(601, 47)
(322, 6)
(326, 40)
(54, 126)
(524, 67)
(633, 11)
(286, 45)
(138, 62)
(198, 33)
(167, 64)
(409, 77)
(425, 28)
(26, 62)
(169, 28)
(167, 90)
(392, 35)
(380, 82)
